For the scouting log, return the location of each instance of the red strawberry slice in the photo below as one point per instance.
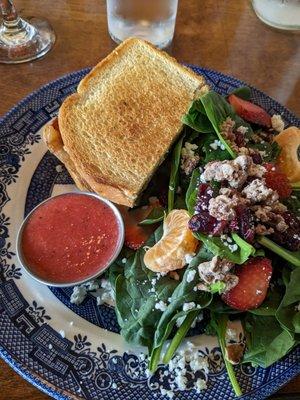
(136, 235)
(254, 279)
(277, 180)
(249, 111)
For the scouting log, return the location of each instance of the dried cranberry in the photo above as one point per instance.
(202, 222)
(239, 139)
(243, 223)
(292, 221)
(219, 228)
(205, 193)
(257, 159)
(291, 237)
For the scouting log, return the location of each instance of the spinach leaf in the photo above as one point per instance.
(218, 109)
(218, 306)
(243, 92)
(212, 154)
(269, 151)
(117, 267)
(183, 293)
(156, 215)
(287, 314)
(180, 335)
(292, 257)
(270, 305)
(173, 182)
(296, 186)
(293, 203)
(219, 325)
(267, 341)
(136, 299)
(191, 193)
(196, 118)
(218, 248)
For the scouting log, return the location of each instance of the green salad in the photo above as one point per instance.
(238, 257)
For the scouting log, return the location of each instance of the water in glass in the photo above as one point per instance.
(153, 20)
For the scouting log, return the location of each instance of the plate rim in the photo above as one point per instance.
(21, 369)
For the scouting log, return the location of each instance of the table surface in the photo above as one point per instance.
(223, 35)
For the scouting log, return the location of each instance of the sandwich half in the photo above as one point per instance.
(117, 129)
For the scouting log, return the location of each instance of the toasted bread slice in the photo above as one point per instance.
(53, 140)
(126, 114)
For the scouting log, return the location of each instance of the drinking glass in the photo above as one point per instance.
(152, 20)
(282, 14)
(21, 40)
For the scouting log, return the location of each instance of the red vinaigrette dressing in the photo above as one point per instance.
(70, 238)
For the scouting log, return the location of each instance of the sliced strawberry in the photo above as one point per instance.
(136, 235)
(250, 292)
(249, 111)
(277, 180)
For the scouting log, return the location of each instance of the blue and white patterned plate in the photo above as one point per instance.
(92, 361)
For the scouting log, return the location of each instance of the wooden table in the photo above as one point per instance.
(219, 34)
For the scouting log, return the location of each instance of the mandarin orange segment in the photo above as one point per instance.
(288, 160)
(177, 242)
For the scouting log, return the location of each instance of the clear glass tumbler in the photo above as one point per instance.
(152, 20)
(281, 14)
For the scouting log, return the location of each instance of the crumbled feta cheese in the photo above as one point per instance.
(161, 305)
(59, 168)
(124, 260)
(188, 306)
(242, 129)
(188, 355)
(188, 257)
(190, 276)
(78, 295)
(200, 385)
(168, 393)
(277, 123)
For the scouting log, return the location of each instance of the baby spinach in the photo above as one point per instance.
(196, 118)
(180, 335)
(288, 314)
(293, 203)
(209, 153)
(136, 299)
(191, 193)
(218, 110)
(218, 248)
(267, 341)
(183, 293)
(292, 257)
(296, 186)
(156, 215)
(244, 92)
(270, 305)
(173, 182)
(269, 151)
(218, 324)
